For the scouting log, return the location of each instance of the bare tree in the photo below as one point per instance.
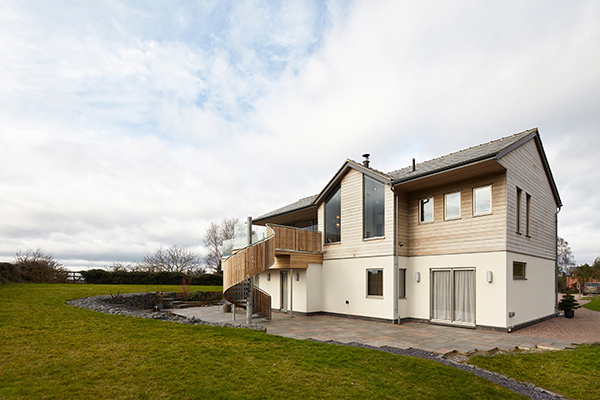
(37, 266)
(215, 235)
(565, 258)
(172, 259)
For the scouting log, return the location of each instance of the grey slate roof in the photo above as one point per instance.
(300, 204)
(463, 157)
(452, 160)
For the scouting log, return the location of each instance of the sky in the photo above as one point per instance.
(126, 126)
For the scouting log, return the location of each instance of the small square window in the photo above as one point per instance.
(374, 282)
(426, 210)
(452, 206)
(519, 270)
(482, 200)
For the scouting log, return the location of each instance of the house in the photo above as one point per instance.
(467, 239)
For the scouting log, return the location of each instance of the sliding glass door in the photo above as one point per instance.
(453, 295)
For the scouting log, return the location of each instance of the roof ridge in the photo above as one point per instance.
(371, 168)
(468, 148)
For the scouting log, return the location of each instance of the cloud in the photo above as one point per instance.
(127, 127)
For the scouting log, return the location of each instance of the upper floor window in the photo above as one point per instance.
(528, 214)
(519, 195)
(333, 222)
(373, 208)
(482, 200)
(426, 210)
(452, 205)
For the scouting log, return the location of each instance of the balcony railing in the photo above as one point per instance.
(294, 239)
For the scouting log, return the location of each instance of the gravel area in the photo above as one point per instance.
(526, 389)
(583, 328)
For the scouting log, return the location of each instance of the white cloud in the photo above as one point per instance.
(126, 127)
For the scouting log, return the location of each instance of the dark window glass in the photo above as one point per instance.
(374, 210)
(375, 282)
(333, 221)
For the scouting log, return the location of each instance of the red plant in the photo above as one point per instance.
(186, 287)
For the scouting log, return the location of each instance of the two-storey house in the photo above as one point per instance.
(467, 239)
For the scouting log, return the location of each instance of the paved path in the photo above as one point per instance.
(433, 338)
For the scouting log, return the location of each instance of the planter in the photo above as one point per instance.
(569, 313)
(226, 308)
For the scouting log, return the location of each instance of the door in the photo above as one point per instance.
(453, 296)
(284, 291)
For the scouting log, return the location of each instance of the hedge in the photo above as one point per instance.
(101, 276)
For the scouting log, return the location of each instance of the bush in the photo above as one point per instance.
(120, 277)
(195, 296)
(9, 274)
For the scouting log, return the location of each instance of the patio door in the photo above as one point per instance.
(453, 296)
(284, 291)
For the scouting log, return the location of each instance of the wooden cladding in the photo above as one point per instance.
(248, 262)
(294, 239)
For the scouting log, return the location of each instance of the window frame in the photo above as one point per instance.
(523, 265)
(475, 189)
(402, 283)
(527, 215)
(421, 220)
(382, 187)
(446, 195)
(519, 195)
(376, 272)
(337, 191)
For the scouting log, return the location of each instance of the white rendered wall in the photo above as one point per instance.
(534, 297)
(490, 298)
(346, 279)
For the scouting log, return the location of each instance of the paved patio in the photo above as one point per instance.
(433, 338)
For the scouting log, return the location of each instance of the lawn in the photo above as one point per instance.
(51, 350)
(594, 304)
(573, 373)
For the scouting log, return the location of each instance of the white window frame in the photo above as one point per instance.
(475, 212)
(446, 218)
(421, 221)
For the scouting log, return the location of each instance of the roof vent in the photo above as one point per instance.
(414, 166)
(366, 160)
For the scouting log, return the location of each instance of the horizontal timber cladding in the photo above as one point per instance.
(469, 233)
(287, 238)
(526, 172)
(352, 243)
(248, 262)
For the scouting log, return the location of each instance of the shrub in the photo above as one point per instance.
(9, 273)
(195, 296)
(120, 277)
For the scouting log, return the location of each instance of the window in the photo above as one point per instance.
(452, 205)
(332, 218)
(519, 270)
(482, 200)
(401, 283)
(373, 209)
(374, 282)
(426, 210)
(519, 191)
(527, 214)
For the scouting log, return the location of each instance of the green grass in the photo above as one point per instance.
(51, 350)
(594, 304)
(573, 373)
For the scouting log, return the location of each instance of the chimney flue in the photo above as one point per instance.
(366, 160)
(414, 165)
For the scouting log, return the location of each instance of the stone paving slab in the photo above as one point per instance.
(435, 338)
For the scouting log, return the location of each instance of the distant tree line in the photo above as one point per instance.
(566, 262)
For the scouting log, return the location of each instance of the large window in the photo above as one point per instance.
(374, 282)
(333, 218)
(519, 195)
(482, 200)
(373, 209)
(519, 270)
(452, 205)
(426, 210)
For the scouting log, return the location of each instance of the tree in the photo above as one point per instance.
(215, 235)
(37, 266)
(585, 273)
(172, 259)
(565, 258)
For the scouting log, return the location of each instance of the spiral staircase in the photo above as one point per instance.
(283, 247)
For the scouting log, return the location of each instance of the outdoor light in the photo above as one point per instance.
(418, 276)
(268, 277)
(489, 276)
(297, 276)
